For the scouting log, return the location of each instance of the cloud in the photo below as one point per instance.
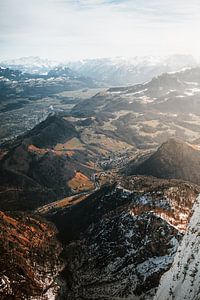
(72, 29)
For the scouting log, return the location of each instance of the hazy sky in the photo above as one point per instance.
(74, 29)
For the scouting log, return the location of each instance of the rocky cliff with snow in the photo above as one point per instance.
(182, 281)
(121, 239)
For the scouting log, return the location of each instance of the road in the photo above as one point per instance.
(68, 201)
(71, 200)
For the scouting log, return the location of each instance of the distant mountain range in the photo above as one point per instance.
(17, 84)
(121, 71)
(110, 71)
(31, 64)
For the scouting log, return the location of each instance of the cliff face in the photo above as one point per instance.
(29, 257)
(123, 255)
(182, 281)
(121, 239)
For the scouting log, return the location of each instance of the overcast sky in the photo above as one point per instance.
(75, 29)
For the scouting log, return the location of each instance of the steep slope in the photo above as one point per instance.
(122, 238)
(49, 133)
(182, 281)
(173, 159)
(38, 165)
(169, 92)
(148, 114)
(120, 257)
(30, 260)
(144, 115)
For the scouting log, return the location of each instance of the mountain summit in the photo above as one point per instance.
(173, 159)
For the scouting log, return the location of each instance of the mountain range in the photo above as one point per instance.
(117, 128)
(110, 71)
(31, 64)
(15, 84)
(118, 176)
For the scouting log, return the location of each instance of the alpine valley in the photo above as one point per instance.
(100, 179)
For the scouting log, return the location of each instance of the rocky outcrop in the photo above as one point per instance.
(182, 281)
(30, 261)
(121, 239)
(123, 255)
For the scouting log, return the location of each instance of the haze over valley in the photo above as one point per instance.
(99, 150)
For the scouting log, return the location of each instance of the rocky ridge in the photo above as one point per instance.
(121, 239)
(30, 261)
(182, 280)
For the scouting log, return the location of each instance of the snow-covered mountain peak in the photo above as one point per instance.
(126, 71)
(31, 60)
(110, 70)
(31, 64)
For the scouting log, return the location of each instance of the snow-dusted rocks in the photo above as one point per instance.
(182, 281)
(121, 239)
(121, 256)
